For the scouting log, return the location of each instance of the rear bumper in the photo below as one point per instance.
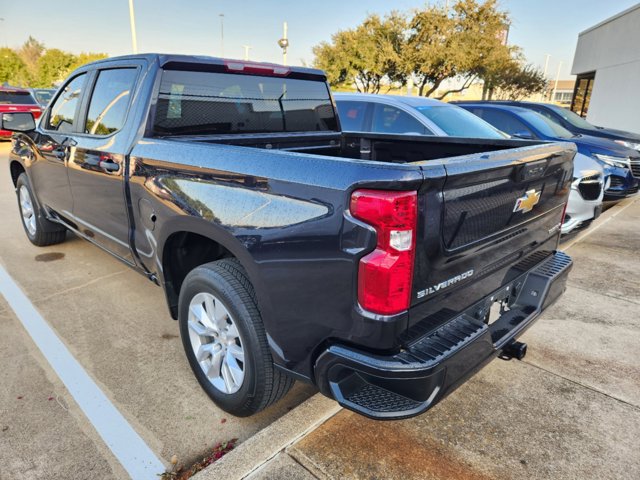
(422, 374)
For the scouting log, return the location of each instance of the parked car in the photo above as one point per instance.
(17, 100)
(523, 123)
(587, 192)
(426, 116)
(579, 126)
(366, 264)
(42, 95)
(371, 113)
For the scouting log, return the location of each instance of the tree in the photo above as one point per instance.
(12, 69)
(517, 82)
(85, 58)
(52, 67)
(32, 65)
(30, 52)
(366, 56)
(458, 43)
(431, 53)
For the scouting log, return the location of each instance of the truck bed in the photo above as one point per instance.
(390, 148)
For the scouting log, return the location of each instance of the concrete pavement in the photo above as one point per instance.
(571, 409)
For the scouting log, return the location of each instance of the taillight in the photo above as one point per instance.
(385, 275)
(564, 213)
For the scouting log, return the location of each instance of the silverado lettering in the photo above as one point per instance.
(445, 284)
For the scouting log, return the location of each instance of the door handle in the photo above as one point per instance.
(107, 164)
(61, 154)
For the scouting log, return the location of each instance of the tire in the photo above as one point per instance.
(40, 231)
(223, 286)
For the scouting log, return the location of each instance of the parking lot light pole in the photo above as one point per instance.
(246, 51)
(222, 34)
(544, 73)
(134, 40)
(555, 86)
(284, 44)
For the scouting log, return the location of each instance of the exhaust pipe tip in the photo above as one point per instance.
(516, 350)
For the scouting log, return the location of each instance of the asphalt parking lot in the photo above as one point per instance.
(571, 409)
(116, 325)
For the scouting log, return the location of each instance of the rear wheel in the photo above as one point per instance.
(39, 230)
(224, 339)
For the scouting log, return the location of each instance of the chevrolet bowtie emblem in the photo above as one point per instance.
(527, 202)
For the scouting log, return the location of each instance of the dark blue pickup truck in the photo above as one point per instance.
(385, 269)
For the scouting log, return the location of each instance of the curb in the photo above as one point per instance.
(268, 442)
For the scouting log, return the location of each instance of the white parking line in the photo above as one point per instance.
(128, 447)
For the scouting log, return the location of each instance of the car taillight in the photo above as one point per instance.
(385, 275)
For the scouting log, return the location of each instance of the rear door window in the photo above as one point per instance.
(109, 101)
(353, 116)
(192, 103)
(388, 119)
(63, 111)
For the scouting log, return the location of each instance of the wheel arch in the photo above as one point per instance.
(187, 242)
(16, 168)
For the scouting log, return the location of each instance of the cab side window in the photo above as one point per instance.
(63, 110)
(109, 101)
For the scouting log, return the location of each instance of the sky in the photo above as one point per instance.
(540, 27)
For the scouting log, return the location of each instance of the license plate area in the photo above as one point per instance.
(497, 305)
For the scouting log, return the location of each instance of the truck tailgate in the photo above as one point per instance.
(497, 209)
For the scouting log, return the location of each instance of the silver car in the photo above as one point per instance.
(361, 112)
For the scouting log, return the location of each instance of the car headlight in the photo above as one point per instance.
(632, 145)
(619, 162)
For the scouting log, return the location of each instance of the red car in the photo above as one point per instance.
(17, 100)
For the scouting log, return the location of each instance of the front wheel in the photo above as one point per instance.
(40, 231)
(225, 341)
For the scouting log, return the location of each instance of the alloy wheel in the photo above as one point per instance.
(216, 342)
(27, 211)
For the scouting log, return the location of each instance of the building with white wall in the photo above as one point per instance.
(607, 65)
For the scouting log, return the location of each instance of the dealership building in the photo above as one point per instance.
(607, 65)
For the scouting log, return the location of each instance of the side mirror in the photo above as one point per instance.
(17, 122)
(524, 134)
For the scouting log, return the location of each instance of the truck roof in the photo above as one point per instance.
(165, 59)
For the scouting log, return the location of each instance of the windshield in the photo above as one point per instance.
(192, 103)
(16, 98)
(457, 122)
(573, 118)
(547, 127)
